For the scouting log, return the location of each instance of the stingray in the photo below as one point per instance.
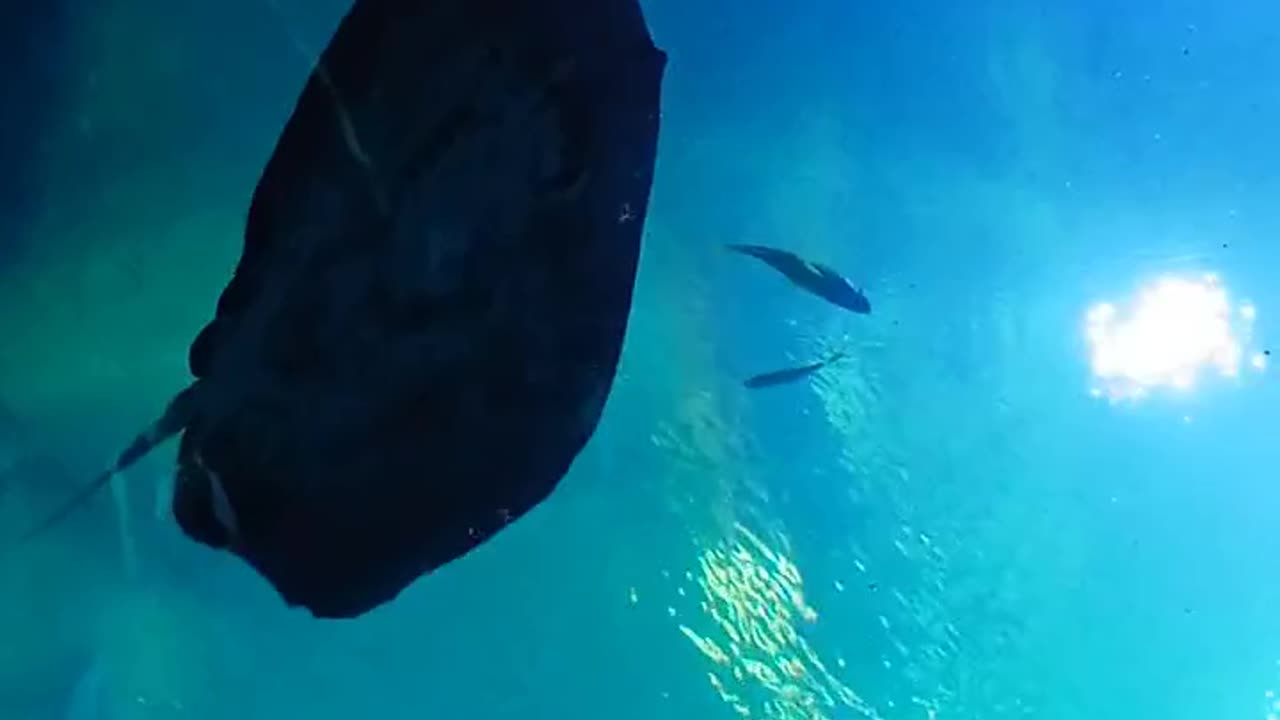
(426, 319)
(816, 278)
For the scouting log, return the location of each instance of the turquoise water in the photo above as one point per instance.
(947, 524)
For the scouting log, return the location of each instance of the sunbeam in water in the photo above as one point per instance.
(1171, 333)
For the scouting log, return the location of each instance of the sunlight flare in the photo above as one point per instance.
(1174, 331)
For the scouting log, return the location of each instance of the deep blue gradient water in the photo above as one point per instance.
(947, 524)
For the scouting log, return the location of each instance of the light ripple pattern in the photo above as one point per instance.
(762, 665)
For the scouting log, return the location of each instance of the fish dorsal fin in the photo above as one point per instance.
(174, 420)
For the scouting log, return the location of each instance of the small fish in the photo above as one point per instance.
(814, 277)
(788, 375)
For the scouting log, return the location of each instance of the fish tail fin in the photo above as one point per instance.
(175, 418)
(769, 255)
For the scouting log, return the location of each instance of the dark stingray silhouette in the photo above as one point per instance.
(426, 320)
(814, 277)
(788, 375)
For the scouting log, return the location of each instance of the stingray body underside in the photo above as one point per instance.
(426, 320)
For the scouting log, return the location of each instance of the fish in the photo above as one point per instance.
(813, 277)
(789, 375)
(427, 316)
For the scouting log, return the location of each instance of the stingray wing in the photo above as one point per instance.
(427, 317)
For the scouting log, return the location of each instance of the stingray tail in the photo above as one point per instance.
(176, 417)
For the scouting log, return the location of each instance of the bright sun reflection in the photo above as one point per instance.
(1174, 330)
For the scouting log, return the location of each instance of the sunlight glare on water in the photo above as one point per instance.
(1174, 330)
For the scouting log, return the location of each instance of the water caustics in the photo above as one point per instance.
(762, 663)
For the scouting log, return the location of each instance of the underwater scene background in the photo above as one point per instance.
(1005, 502)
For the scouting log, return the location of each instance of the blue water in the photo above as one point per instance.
(947, 524)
